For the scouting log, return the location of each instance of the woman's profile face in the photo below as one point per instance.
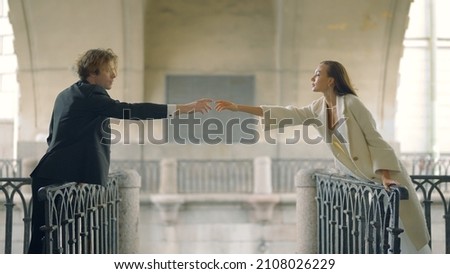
(320, 81)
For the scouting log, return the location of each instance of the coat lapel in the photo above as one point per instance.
(343, 119)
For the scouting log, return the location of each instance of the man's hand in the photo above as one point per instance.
(201, 105)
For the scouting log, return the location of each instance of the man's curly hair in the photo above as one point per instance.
(93, 60)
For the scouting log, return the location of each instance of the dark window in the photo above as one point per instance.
(213, 127)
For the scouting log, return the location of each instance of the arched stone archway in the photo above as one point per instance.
(278, 41)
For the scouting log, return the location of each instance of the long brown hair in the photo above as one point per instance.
(342, 81)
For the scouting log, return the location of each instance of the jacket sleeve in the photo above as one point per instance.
(101, 103)
(278, 116)
(382, 154)
(50, 131)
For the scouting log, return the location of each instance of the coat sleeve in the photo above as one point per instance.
(50, 131)
(102, 104)
(278, 116)
(382, 154)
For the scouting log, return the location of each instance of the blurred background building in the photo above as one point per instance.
(253, 51)
(250, 51)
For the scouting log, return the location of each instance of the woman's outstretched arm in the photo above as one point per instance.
(227, 105)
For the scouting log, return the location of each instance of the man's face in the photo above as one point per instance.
(105, 77)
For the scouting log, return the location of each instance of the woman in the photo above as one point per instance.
(361, 152)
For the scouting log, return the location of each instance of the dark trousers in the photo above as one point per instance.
(38, 215)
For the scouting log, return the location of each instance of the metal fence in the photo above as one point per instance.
(218, 176)
(434, 194)
(356, 217)
(81, 218)
(16, 212)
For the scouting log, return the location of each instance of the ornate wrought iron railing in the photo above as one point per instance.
(81, 218)
(356, 217)
(433, 191)
(217, 176)
(16, 212)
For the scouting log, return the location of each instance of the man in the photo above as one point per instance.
(78, 141)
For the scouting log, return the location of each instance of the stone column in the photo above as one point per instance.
(306, 212)
(129, 186)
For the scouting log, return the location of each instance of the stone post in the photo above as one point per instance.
(129, 187)
(306, 212)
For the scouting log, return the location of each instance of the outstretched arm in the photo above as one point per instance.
(227, 105)
(201, 105)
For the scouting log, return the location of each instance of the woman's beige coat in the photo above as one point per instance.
(363, 151)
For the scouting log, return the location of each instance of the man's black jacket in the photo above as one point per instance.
(79, 135)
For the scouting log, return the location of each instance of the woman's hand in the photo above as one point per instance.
(201, 105)
(388, 182)
(226, 105)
